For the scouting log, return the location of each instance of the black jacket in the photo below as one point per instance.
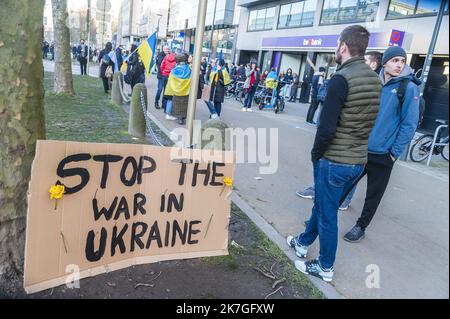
(218, 90)
(104, 66)
(159, 58)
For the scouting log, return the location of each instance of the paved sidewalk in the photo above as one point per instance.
(407, 244)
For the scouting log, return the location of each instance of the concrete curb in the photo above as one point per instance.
(328, 290)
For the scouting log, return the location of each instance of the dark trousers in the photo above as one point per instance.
(83, 66)
(105, 84)
(378, 170)
(250, 96)
(312, 110)
(161, 86)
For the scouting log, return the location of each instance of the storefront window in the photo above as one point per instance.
(297, 14)
(261, 19)
(404, 8)
(348, 11)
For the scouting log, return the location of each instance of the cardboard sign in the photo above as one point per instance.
(123, 205)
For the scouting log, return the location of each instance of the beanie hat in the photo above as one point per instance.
(392, 52)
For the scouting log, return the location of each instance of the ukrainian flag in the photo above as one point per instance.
(179, 82)
(147, 51)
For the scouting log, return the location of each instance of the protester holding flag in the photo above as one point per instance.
(136, 68)
(178, 87)
(218, 80)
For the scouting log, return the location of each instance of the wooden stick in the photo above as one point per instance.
(273, 292)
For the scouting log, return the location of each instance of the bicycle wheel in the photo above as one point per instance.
(282, 105)
(421, 149)
(444, 152)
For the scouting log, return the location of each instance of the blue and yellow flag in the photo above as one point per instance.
(179, 82)
(147, 51)
(214, 77)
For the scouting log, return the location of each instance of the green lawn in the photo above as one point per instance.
(87, 117)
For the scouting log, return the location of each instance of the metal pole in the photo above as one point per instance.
(212, 28)
(201, 18)
(89, 34)
(429, 57)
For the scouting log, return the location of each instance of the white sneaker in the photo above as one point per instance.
(249, 110)
(214, 116)
(313, 267)
(170, 117)
(244, 109)
(300, 251)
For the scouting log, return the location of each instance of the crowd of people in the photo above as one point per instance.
(369, 110)
(369, 115)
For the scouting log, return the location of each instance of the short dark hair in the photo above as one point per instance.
(375, 56)
(322, 69)
(356, 38)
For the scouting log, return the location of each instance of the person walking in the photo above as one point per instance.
(108, 65)
(82, 52)
(251, 85)
(317, 81)
(394, 129)
(119, 56)
(340, 148)
(161, 81)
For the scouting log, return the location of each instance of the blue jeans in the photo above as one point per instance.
(161, 86)
(331, 181)
(250, 96)
(169, 107)
(215, 108)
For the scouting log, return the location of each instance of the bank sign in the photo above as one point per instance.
(396, 38)
(377, 40)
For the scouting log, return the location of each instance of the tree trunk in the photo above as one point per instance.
(21, 122)
(63, 60)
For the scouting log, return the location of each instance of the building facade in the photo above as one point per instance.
(302, 35)
(139, 19)
(218, 41)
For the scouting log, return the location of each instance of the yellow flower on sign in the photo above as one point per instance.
(56, 191)
(228, 181)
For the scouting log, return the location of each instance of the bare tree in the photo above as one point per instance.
(22, 122)
(63, 60)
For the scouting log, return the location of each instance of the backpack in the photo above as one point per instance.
(401, 92)
(321, 95)
(107, 59)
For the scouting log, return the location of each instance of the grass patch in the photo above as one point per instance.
(89, 116)
(262, 246)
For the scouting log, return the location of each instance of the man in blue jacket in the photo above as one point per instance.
(393, 131)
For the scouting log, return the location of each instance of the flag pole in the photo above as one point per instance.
(199, 32)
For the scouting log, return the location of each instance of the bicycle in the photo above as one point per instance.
(422, 147)
(273, 98)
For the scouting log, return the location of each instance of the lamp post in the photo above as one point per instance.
(157, 28)
(89, 34)
(212, 29)
(201, 18)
